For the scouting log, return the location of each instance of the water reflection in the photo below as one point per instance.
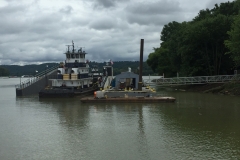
(197, 126)
(110, 125)
(205, 120)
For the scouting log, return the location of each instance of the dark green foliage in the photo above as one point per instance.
(197, 48)
(166, 60)
(233, 43)
(4, 72)
(122, 66)
(205, 53)
(118, 67)
(203, 14)
(16, 70)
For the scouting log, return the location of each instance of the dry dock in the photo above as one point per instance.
(128, 100)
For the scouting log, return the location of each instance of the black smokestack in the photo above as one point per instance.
(141, 65)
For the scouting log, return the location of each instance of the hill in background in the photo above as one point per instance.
(118, 67)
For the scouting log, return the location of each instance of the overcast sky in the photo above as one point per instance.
(37, 31)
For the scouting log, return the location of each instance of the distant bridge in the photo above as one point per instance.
(191, 80)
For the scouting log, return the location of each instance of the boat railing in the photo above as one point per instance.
(103, 81)
(37, 77)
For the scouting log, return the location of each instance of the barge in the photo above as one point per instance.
(130, 100)
(124, 89)
(127, 87)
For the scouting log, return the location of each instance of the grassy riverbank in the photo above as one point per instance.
(231, 88)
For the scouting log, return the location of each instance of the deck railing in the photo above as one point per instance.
(193, 80)
(37, 77)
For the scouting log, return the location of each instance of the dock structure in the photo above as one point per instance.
(192, 80)
(129, 100)
(33, 85)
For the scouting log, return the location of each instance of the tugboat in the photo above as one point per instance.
(73, 77)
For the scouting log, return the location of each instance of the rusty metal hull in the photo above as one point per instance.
(129, 100)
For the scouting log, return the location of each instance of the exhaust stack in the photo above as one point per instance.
(141, 65)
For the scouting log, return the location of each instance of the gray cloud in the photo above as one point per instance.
(154, 8)
(107, 3)
(66, 10)
(212, 3)
(103, 23)
(36, 31)
(156, 13)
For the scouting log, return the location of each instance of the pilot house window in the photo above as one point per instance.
(68, 55)
(77, 55)
(82, 55)
(72, 55)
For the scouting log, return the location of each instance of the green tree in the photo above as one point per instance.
(203, 14)
(196, 48)
(3, 72)
(202, 47)
(233, 43)
(165, 59)
(159, 61)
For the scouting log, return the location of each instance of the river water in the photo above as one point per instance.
(196, 126)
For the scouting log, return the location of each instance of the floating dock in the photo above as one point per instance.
(128, 100)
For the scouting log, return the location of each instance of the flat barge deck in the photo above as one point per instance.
(128, 100)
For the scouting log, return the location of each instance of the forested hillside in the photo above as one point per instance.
(207, 45)
(122, 66)
(15, 70)
(4, 72)
(118, 67)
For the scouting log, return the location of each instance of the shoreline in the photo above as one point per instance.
(230, 88)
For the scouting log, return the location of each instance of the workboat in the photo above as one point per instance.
(124, 89)
(127, 87)
(74, 77)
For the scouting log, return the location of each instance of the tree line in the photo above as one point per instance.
(33, 69)
(4, 72)
(118, 67)
(122, 66)
(207, 45)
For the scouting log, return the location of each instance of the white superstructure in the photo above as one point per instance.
(74, 73)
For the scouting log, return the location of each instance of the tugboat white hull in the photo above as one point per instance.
(72, 77)
(72, 83)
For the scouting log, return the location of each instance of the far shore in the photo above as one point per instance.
(231, 88)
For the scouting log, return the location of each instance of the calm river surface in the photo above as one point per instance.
(196, 126)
